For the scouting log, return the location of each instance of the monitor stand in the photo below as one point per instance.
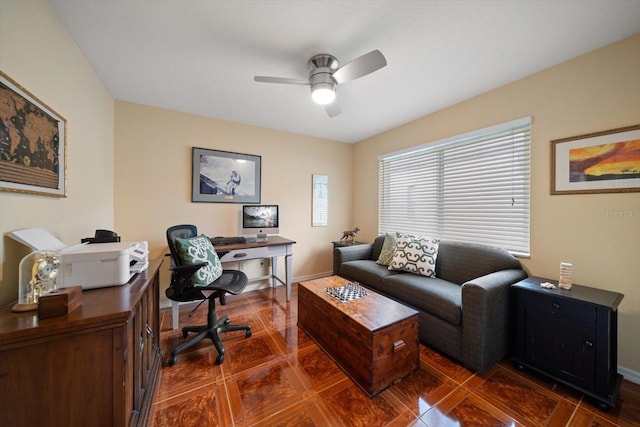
(261, 238)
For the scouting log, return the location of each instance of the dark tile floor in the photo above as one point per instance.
(279, 377)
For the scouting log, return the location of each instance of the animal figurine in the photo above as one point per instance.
(349, 234)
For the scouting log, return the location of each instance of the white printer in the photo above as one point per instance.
(89, 265)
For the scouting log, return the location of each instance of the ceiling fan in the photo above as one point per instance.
(325, 74)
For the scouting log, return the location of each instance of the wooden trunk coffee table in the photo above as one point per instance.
(373, 338)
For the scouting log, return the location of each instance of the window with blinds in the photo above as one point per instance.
(472, 187)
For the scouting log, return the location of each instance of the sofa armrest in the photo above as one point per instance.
(488, 317)
(352, 253)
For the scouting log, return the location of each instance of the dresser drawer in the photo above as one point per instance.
(562, 307)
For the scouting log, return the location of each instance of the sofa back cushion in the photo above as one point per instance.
(377, 248)
(460, 262)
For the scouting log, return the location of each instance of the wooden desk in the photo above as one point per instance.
(97, 365)
(275, 247)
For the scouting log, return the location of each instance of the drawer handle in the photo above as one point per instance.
(555, 305)
(588, 343)
(240, 255)
(398, 345)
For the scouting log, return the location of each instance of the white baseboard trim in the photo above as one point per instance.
(629, 375)
(312, 276)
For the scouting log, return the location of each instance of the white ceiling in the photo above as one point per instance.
(200, 56)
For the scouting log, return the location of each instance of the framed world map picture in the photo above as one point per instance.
(32, 143)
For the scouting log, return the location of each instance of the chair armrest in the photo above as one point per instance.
(187, 270)
(488, 317)
(181, 277)
(352, 253)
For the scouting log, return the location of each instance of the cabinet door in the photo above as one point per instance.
(540, 342)
(576, 353)
(130, 371)
(138, 355)
(65, 381)
(561, 347)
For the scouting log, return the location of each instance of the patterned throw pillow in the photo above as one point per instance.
(196, 250)
(416, 254)
(388, 249)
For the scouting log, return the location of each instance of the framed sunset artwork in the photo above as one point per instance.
(601, 162)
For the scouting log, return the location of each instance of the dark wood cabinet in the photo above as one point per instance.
(570, 336)
(96, 366)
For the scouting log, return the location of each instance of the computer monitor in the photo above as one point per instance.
(260, 220)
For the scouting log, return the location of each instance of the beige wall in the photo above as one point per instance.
(599, 233)
(153, 181)
(37, 52)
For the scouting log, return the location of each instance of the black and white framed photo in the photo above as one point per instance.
(225, 177)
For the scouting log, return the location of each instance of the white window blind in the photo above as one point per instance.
(472, 188)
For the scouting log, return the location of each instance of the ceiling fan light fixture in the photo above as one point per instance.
(323, 93)
(325, 74)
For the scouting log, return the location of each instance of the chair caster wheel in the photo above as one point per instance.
(219, 359)
(172, 360)
(247, 334)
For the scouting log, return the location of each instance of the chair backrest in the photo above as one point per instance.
(184, 231)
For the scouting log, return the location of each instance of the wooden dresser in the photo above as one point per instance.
(96, 366)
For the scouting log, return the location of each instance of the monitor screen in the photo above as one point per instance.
(260, 219)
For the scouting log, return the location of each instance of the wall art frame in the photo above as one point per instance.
(33, 143)
(225, 177)
(320, 201)
(599, 162)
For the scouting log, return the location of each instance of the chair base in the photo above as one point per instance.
(212, 330)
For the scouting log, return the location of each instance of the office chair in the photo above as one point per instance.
(181, 289)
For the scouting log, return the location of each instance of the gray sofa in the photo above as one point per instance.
(466, 311)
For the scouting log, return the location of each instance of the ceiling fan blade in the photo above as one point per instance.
(333, 109)
(282, 80)
(361, 66)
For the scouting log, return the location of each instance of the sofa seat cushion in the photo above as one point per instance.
(438, 297)
(366, 272)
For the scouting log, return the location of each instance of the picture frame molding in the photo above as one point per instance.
(560, 182)
(218, 183)
(9, 168)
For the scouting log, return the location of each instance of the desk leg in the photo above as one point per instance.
(274, 272)
(175, 313)
(287, 272)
